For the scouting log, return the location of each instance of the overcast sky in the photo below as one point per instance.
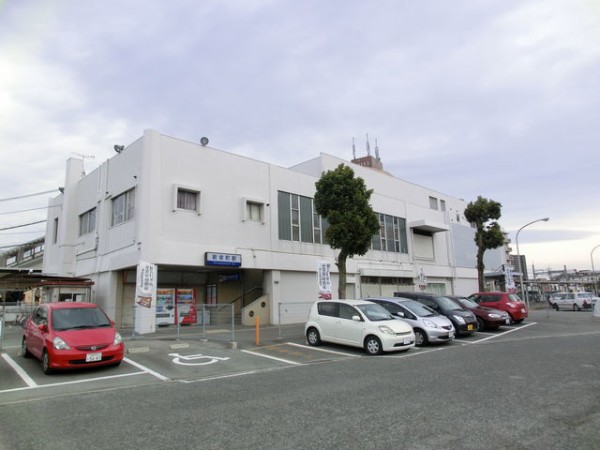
(498, 98)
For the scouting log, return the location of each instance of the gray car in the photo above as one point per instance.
(428, 325)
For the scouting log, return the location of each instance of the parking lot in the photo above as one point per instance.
(185, 358)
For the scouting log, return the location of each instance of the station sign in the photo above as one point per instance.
(223, 259)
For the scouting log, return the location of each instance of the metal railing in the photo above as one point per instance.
(12, 319)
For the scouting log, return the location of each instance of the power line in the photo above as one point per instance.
(27, 210)
(25, 196)
(24, 225)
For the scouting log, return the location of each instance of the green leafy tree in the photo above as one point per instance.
(484, 213)
(343, 200)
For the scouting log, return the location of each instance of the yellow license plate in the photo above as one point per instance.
(470, 327)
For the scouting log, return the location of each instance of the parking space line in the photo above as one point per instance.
(26, 378)
(272, 357)
(505, 332)
(322, 349)
(146, 369)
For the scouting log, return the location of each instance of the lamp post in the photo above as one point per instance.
(545, 219)
(594, 278)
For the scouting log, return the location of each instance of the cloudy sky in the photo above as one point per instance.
(498, 98)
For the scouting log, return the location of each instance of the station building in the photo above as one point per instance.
(233, 230)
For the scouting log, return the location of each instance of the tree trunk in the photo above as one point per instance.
(341, 264)
(480, 270)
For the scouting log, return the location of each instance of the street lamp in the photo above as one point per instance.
(545, 219)
(594, 278)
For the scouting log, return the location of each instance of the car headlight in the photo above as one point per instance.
(430, 324)
(387, 330)
(59, 344)
(494, 316)
(460, 320)
(118, 339)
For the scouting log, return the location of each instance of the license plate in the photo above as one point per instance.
(93, 357)
(407, 341)
(470, 327)
(507, 321)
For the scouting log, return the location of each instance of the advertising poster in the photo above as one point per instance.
(145, 298)
(324, 279)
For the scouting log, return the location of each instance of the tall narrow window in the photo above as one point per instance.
(298, 220)
(433, 203)
(55, 231)
(87, 222)
(123, 207)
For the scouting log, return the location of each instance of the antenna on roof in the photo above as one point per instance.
(368, 146)
(353, 149)
(376, 150)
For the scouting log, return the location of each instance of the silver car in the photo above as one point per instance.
(428, 325)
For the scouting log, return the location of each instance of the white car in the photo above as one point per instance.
(575, 301)
(357, 323)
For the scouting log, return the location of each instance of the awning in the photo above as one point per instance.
(428, 225)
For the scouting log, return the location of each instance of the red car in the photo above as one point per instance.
(505, 301)
(71, 335)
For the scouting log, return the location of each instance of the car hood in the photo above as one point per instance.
(440, 320)
(89, 336)
(397, 325)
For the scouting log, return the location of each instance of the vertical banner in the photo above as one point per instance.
(509, 280)
(324, 279)
(145, 298)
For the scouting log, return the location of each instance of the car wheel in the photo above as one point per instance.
(576, 307)
(313, 337)
(24, 352)
(46, 363)
(373, 345)
(420, 338)
(480, 324)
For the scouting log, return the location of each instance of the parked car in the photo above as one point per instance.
(357, 323)
(464, 321)
(504, 301)
(487, 318)
(575, 301)
(428, 325)
(70, 335)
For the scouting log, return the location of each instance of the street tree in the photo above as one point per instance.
(484, 213)
(343, 200)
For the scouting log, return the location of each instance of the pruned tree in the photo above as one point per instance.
(343, 200)
(484, 213)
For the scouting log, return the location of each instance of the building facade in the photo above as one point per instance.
(234, 230)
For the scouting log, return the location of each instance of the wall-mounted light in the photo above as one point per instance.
(119, 148)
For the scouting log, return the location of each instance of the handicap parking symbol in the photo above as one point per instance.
(195, 360)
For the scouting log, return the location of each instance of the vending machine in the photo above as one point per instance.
(165, 307)
(186, 306)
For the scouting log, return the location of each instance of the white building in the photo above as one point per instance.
(179, 205)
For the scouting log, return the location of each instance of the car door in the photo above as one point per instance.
(35, 337)
(328, 313)
(349, 331)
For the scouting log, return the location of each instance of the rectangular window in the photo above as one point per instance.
(391, 236)
(253, 210)
(298, 220)
(123, 207)
(55, 231)
(423, 244)
(433, 203)
(186, 199)
(87, 222)
(442, 205)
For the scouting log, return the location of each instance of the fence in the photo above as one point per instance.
(12, 319)
(292, 313)
(200, 321)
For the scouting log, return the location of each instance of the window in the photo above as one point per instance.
(55, 231)
(442, 205)
(433, 203)
(253, 210)
(123, 207)
(87, 222)
(392, 235)
(298, 220)
(423, 244)
(186, 199)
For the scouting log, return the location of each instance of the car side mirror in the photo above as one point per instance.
(356, 318)
(400, 314)
(43, 327)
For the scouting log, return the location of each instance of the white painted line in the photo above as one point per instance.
(40, 386)
(272, 357)
(322, 349)
(506, 332)
(220, 377)
(26, 378)
(146, 369)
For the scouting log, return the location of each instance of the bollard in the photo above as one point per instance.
(257, 321)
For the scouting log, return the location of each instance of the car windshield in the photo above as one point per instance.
(514, 298)
(419, 309)
(78, 318)
(375, 312)
(467, 303)
(449, 305)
